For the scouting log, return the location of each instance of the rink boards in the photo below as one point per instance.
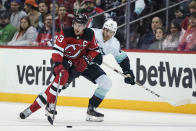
(25, 72)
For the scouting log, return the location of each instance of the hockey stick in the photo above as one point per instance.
(177, 103)
(51, 119)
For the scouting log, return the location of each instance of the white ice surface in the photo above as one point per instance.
(115, 120)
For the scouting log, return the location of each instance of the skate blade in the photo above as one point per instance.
(94, 119)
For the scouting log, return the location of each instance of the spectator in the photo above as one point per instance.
(69, 5)
(25, 35)
(46, 1)
(6, 30)
(134, 38)
(148, 38)
(64, 18)
(7, 5)
(43, 9)
(172, 40)
(45, 35)
(145, 24)
(89, 8)
(31, 9)
(17, 13)
(159, 37)
(188, 41)
(192, 8)
(179, 16)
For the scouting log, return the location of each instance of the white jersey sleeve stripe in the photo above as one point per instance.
(40, 102)
(59, 48)
(57, 52)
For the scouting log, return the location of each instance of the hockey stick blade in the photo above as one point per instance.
(176, 103)
(50, 120)
(181, 102)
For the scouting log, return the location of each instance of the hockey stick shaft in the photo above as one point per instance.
(117, 71)
(57, 93)
(187, 101)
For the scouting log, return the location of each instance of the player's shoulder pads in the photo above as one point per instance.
(68, 32)
(88, 34)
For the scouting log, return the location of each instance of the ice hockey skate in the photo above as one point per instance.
(50, 111)
(26, 113)
(93, 115)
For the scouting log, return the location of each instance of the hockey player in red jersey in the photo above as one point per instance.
(108, 44)
(75, 48)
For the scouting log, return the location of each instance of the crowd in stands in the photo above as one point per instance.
(29, 22)
(152, 33)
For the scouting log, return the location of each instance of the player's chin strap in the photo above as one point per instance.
(177, 103)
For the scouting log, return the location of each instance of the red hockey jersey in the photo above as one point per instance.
(71, 47)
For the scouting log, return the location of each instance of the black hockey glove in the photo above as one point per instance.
(98, 59)
(130, 78)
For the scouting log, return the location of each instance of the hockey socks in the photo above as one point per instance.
(35, 106)
(95, 101)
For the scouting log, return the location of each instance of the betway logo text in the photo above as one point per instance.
(165, 75)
